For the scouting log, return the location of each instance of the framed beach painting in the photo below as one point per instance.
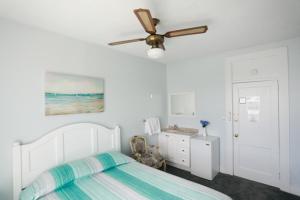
(71, 94)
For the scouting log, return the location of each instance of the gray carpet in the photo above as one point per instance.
(236, 187)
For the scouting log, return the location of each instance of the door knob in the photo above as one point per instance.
(236, 135)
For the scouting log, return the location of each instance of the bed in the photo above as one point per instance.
(83, 162)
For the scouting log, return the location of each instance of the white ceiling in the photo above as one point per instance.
(232, 24)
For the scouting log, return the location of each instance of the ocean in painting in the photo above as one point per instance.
(71, 94)
(57, 104)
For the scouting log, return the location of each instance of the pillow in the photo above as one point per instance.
(61, 175)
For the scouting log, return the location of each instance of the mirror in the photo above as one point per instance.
(182, 104)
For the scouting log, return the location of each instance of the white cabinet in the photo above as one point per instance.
(163, 145)
(205, 156)
(175, 148)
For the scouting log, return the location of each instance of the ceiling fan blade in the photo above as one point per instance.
(146, 20)
(187, 31)
(126, 41)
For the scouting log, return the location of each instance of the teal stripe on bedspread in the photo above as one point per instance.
(139, 186)
(106, 160)
(71, 192)
(62, 174)
(170, 185)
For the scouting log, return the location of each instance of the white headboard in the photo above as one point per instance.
(64, 144)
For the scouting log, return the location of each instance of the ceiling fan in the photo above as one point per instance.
(156, 41)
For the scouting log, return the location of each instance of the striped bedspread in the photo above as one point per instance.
(136, 182)
(131, 181)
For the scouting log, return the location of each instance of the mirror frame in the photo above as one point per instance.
(181, 93)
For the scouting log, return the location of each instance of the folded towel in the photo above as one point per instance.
(152, 126)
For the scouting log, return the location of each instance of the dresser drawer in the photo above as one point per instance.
(177, 148)
(183, 142)
(183, 151)
(184, 161)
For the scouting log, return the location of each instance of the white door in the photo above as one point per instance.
(256, 133)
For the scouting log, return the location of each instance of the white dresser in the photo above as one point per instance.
(176, 148)
(205, 156)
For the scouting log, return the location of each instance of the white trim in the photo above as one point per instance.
(282, 78)
(17, 171)
(227, 164)
(64, 144)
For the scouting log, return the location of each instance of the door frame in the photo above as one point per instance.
(283, 94)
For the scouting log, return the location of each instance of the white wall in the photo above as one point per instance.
(206, 76)
(26, 53)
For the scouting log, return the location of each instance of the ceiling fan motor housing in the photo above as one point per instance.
(155, 40)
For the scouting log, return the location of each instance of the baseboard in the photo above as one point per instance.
(295, 190)
(224, 171)
(179, 166)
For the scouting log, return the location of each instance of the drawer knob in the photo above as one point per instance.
(182, 150)
(182, 160)
(182, 140)
(254, 71)
(207, 144)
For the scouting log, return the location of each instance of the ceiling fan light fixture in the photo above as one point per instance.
(155, 53)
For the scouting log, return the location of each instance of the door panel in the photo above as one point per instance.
(256, 136)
